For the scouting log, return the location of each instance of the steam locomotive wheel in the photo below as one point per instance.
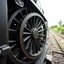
(17, 55)
(27, 36)
(32, 35)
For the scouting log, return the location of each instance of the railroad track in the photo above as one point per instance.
(58, 45)
(62, 36)
(54, 49)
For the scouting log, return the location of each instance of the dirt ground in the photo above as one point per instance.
(56, 58)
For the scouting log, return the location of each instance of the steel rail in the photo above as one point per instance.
(58, 44)
(60, 35)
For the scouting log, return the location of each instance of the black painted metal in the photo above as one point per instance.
(4, 50)
(41, 59)
(3, 27)
(15, 23)
(29, 24)
(3, 22)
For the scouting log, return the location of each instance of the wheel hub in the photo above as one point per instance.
(35, 33)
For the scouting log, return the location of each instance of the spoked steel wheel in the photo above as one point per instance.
(32, 35)
(17, 55)
(27, 36)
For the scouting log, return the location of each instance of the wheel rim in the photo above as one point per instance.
(33, 35)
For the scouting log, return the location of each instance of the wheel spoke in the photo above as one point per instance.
(41, 38)
(21, 14)
(28, 44)
(28, 29)
(16, 20)
(41, 35)
(36, 48)
(40, 43)
(39, 27)
(17, 54)
(40, 31)
(34, 21)
(31, 47)
(11, 41)
(13, 46)
(26, 33)
(12, 30)
(39, 23)
(26, 38)
(28, 25)
(37, 45)
(24, 58)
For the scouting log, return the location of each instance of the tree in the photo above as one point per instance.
(60, 22)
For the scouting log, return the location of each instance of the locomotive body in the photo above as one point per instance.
(23, 32)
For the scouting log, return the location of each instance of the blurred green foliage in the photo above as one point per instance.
(59, 29)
